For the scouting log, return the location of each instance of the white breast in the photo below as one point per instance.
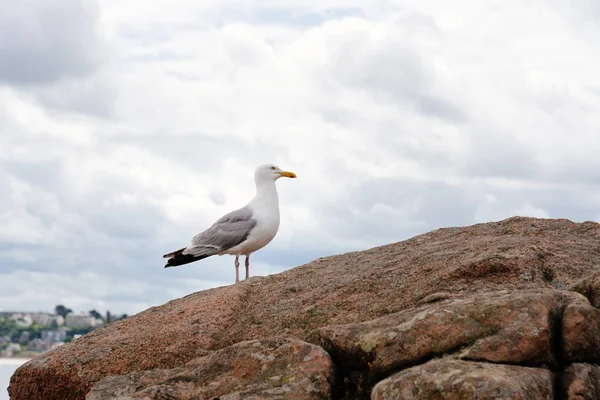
(263, 232)
(265, 210)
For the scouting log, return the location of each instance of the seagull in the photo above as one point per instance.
(243, 231)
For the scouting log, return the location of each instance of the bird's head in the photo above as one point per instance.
(270, 172)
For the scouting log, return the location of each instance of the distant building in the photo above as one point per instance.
(24, 337)
(27, 319)
(15, 347)
(43, 319)
(37, 345)
(46, 319)
(22, 319)
(6, 314)
(51, 338)
(54, 335)
(80, 321)
(10, 350)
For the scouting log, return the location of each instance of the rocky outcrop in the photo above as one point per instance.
(581, 333)
(582, 382)
(512, 327)
(590, 288)
(497, 295)
(457, 380)
(276, 368)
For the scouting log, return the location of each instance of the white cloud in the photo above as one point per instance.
(529, 210)
(143, 121)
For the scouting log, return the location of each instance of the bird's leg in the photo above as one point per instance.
(237, 269)
(247, 266)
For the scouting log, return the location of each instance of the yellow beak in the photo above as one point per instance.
(288, 174)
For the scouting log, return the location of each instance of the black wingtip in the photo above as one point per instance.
(181, 259)
(174, 253)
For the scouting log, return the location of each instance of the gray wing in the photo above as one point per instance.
(229, 231)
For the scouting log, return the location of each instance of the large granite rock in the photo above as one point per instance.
(512, 327)
(526, 263)
(277, 368)
(590, 288)
(449, 379)
(582, 382)
(581, 333)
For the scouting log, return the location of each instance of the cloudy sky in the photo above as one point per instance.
(127, 126)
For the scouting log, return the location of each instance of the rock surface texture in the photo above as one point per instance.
(582, 382)
(457, 380)
(276, 368)
(498, 310)
(513, 327)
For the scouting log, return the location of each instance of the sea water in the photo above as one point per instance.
(7, 367)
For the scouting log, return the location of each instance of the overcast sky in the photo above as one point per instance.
(128, 126)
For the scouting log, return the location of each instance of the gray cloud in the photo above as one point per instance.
(500, 154)
(437, 107)
(94, 95)
(217, 197)
(395, 125)
(41, 42)
(395, 72)
(389, 210)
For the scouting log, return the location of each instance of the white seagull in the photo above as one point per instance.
(243, 231)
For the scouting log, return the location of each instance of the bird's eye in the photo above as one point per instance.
(273, 168)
